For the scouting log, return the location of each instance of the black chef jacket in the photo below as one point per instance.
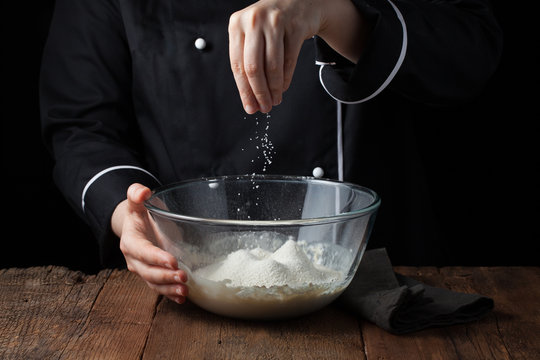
(129, 94)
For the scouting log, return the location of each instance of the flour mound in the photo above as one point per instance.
(289, 265)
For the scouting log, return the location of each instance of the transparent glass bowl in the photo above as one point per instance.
(203, 221)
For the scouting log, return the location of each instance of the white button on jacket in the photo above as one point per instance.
(200, 44)
(318, 172)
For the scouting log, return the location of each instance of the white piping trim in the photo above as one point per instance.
(317, 62)
(103, 172)
(339, 141)
(392, 73)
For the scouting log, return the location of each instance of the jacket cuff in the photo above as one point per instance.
(100, 197)
(380, 60)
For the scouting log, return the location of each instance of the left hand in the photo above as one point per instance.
(139, 238)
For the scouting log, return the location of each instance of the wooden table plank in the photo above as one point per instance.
(480, 340)
(41, 309)
(518, 336)
(185, 331)
(119, 321)
(516, 317)
(51, 312)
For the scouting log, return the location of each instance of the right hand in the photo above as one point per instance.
(265, 39)
(138, 234)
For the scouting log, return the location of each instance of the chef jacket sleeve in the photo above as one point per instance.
(435, 52)
(87, 116)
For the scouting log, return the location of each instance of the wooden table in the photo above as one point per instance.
(54, 313)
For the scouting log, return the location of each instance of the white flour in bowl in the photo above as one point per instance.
(257, 283)
(288, 265)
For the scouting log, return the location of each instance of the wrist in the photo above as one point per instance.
(118, 216)
(343, 27)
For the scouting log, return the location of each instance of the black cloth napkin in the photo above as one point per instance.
(402, 305)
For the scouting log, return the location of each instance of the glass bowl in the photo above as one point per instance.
(262, 246)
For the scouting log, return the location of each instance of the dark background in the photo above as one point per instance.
(485, 174)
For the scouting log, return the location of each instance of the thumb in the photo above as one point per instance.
(137, 194)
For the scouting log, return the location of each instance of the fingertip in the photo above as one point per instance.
(177, 299)
(277, 98)
(133, 190)
(250, 109)
(138, 193)
(182, 276)
(266, 109)
(286, 84)
(169, 261)
(145, 192)
(182, 290)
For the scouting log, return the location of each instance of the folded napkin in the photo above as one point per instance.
(400, 304)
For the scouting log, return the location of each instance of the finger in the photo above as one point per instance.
(254, 51)
(170, 290)
(156, 274)
(177, 299)
(145, 252)
(274, 64)
(236, 56)
(138, 193)
(292, 46)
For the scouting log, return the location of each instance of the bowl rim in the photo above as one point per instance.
(263, 223)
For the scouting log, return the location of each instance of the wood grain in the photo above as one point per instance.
(54, 313)
(188, 332)
(42, 309)
(118, 324)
